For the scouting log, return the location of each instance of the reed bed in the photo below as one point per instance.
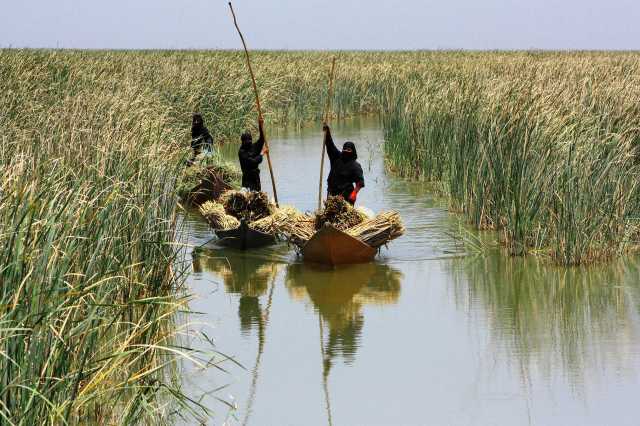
(540, 147)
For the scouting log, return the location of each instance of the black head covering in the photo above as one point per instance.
(349, 156)
(246, 139)
(197, 126)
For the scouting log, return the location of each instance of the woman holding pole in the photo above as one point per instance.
(346, 177)
(250, 156)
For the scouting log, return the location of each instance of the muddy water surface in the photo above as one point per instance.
(425, 335)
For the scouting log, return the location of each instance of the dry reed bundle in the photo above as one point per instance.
(380, 230)
(227, 173)
(217, 217)
(259, 206)
(273, 223)
(248, 206)
(339, 213)
(299, 229)
(289, 223)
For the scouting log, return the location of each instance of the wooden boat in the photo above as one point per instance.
(244, 238)
(330, 246)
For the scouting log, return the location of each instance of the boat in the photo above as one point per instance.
(244, 238)
(331, 246)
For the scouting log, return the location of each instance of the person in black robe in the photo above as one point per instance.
(250, 155)
(201, 140)
(346, 177)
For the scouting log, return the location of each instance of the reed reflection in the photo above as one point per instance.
(338, 296)
(554, 318)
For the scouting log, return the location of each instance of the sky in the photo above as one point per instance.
(322, 24)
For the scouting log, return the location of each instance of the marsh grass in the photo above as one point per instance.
(541, 148)
(90, 277)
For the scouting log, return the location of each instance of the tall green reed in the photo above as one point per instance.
(540, 147)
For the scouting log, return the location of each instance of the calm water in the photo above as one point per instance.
(423, 336)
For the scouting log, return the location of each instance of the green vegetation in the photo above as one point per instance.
(540, 147)
(92, 144)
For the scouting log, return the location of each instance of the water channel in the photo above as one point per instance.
(425, 335)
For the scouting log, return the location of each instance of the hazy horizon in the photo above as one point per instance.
(503, 25)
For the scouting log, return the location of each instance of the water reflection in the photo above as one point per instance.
(250, 278)
(246, 276)
(553, 318)
(339, 295)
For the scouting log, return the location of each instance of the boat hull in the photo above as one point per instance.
(244, 238)
(330, 246)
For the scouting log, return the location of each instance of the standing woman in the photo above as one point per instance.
(250, 156)
(346, 177)
(201, 140)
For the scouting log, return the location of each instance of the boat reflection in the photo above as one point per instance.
(338, 296)
(247, 276)
(250, 278)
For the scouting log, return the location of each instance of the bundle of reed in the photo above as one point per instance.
(228, 173)
(248, 206)
(206, 179)
(289, 223)
(217, 217)
(339, 213)
(259, 206)
(275, 222)
(378, 231)
(299, 230)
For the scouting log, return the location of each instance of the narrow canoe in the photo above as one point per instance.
(244, 238)
(330, 246)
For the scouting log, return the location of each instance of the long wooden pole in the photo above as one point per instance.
(327, 115)
(255, 90)
(325, 373)
(262, 325)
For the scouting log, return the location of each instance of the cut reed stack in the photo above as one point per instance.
(207, 179)
(339, 213)
(215, 214)
(378, 231)
(375, 232)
